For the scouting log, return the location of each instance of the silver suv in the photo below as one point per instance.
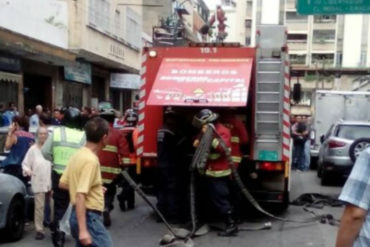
(334, 158)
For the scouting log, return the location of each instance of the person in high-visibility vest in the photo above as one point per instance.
(110, 159)
(64, 141)
(130, 131)
(217, 170)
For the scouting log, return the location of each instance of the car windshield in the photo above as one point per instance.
(353, 132)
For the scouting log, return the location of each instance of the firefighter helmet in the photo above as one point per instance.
(131, 117)
(203, 117)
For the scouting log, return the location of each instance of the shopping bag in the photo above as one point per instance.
(64, 222)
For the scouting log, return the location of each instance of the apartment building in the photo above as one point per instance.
(326, 51)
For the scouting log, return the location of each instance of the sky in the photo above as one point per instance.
(212, 3)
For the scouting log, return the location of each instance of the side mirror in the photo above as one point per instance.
(322, 139)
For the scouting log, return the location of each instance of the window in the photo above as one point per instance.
(324, 36)
(353, 132)
(325, 19)
(306, 98)
(117, 24)
(297, 38)
(99, 14)
(133, 36)
(297, 59)
(323, 58)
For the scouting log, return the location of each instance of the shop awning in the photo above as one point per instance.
(202, 82)
(5, 76)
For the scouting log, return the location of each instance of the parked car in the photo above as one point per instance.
(334, 157)
(13, 205)
(16, 201)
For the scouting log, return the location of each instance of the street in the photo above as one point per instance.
(139, 228)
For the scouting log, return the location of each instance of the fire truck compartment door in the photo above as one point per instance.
(202, 82)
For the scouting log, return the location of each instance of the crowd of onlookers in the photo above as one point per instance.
(25, 138)
(40, 116)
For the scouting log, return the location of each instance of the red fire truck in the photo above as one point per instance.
(254, 81)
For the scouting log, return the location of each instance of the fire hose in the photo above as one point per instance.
(245, 191)
(182, 237)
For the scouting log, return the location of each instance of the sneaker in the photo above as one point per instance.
(106, 219)
(39, 236)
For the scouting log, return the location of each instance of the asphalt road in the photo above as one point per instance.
(138, 227)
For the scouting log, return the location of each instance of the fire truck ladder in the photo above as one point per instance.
(269, 94)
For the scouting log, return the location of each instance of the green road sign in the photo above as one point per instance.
(324, 7)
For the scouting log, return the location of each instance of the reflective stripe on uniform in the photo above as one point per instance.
(107, 181)
(214, 156)
(236, 159)
(110, 148)
(218, 174)
(110, 169)
(215, 143)
(235, 139)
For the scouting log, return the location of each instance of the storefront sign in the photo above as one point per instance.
(125, 81)
(80, 72)
(10, 63)
(328, 7)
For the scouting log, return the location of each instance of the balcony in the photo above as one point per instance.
(297, 27)
(297, 45)
(323, 63)
(323, 46)
(324, 26)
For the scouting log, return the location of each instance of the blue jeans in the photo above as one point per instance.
(100, 236)
(307, 155)
(298, 156)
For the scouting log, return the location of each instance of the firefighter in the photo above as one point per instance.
(58, 148)
(217, 170)
(239, 141)
(130, 131)
(167, 142)
(110, 159)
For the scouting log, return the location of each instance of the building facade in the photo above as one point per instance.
(64, 53)
(33, 48)
(326, 51)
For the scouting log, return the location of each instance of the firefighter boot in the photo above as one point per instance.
(231, 228)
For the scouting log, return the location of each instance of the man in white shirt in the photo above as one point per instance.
(35, 118)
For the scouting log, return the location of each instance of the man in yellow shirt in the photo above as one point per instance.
(82, 178)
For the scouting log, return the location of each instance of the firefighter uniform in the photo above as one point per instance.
(239, 137)
(130, 163)
(217, 170)
(59, 147)
(110, 159)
